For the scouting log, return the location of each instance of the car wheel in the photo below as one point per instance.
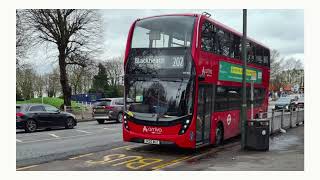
(31, 125)
(219, 135)
(100, 121)
(120, 118)
(69, 123)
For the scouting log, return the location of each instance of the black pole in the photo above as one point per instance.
(244, 91)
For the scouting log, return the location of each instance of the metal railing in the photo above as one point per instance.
(82, 112)
(282, 120)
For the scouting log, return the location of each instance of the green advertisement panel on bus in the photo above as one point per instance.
(233, 72)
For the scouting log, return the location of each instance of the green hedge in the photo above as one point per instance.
(56, 102)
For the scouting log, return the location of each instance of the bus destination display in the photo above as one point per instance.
(160, 62)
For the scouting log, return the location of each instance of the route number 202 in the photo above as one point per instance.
(177, 62)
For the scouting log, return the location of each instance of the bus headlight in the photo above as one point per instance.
(125, 123)
(184, 126)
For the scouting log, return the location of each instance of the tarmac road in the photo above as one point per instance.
(286, 153)
(93, 146)
(48, 145)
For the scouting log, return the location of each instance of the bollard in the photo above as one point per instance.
(291, 117)
(282, 118)
(298, 116)
(82, 111)
(271, 123)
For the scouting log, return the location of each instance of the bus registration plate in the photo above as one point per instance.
(150, 141)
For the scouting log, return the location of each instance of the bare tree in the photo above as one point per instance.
(52, 85)
(276, 64)
(22, 39)
(39, 85)
(25, 81)
(114, 69)
(75, 33)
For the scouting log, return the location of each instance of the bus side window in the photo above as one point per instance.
(232, 46)
(266, 57)
(234, 97)
(250, 55)
(225, 43)
(259, 55)
(236, 44)
(207, 37)
(221, 100)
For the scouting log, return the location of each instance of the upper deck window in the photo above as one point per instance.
(163, 32)
(223, 42)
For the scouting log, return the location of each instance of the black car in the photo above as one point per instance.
(285, 103)
(31, 117)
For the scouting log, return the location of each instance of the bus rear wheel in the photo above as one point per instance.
(219, 134)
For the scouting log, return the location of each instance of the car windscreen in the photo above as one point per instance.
(284, 100)
(103, 103)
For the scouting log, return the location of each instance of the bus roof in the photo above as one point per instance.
(214, 22)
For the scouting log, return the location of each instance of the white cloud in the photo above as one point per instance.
(278, 29)
(282, 30)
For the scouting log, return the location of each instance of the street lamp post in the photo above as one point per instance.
(244, 92)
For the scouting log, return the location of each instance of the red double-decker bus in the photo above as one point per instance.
(183, 75)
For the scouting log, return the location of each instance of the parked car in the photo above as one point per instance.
(294, 96)
(286, 103)
(31, 117)
(300, 102)
(108, 109)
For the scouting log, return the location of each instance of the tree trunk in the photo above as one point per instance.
(66, 89)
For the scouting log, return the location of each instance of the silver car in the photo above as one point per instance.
(108, 109)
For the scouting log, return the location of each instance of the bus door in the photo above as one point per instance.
(204, 114)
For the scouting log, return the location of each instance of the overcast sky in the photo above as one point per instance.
(282, 30)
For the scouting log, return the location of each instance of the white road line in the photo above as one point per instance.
(109, 129)
(27, 167)
(80, 156)
(83, 131)
(53, 135)
(18, 140)
(68, 137)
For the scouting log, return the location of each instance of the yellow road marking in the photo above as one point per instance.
(27, 167)
(142, 163)
(84, 155)
(122, 147)
(171, 163)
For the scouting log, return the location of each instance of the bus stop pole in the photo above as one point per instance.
(244, 92)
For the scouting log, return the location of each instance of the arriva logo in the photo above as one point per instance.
(153, 130)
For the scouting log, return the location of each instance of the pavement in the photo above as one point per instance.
(91, 146)
(286, 153)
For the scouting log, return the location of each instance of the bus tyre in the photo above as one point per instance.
(100, 121)
(219, 134)
(31, 126)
